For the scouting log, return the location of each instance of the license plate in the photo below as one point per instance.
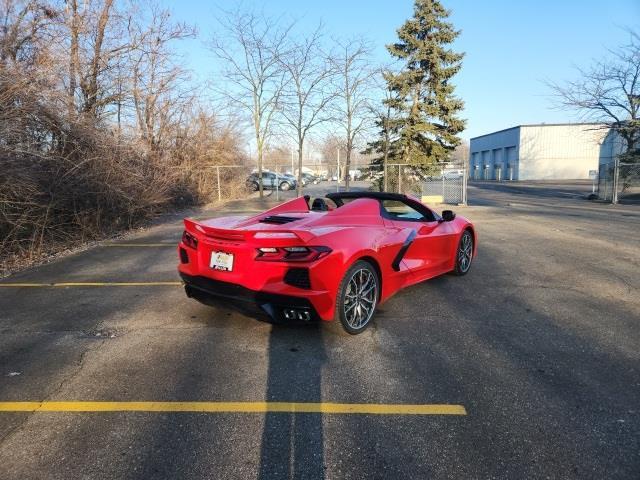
(221, 261)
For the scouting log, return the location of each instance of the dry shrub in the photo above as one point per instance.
(65, 180)
(206, 143)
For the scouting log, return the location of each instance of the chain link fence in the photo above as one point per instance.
(401, 178)
(444, 183)
(224, 182)
(619, 182)
(450, 186)
(219, 182)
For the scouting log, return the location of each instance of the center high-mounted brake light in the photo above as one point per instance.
(275, 235)
(292, 254)
(189, 240)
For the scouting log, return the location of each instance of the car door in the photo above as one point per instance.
(268, 180)
(428, 252)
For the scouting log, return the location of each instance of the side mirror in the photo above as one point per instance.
(448, 215)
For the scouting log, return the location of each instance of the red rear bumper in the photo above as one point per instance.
(273, 286)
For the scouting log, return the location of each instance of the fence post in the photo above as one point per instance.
(277, 184)
(399, 180)
(218, 178)
(386, 184)
(616, 173)
(464, 186)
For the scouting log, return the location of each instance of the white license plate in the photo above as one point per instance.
(221, 261)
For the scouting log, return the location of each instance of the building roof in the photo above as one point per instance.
(536, 125)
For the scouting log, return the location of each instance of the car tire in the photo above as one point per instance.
(255, 186)
(464, 253)
(284, 186)
(355, 309)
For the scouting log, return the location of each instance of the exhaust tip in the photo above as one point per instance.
(297, 314)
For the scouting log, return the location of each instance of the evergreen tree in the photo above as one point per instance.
(426, 123)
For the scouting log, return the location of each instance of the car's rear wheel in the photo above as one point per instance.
(464, 253)
(357, 297)
(255, 186)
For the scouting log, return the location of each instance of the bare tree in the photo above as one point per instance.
(23, 26)
(352, 63)
(67, 71)
(95, 43)
(308, 91)
(157, 81)
(460, 155)
(250, 47)
(608, 92)
(331, 148)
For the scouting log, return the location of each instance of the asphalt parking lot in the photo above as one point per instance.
(539, 345)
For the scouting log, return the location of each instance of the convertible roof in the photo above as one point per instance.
(377, 195)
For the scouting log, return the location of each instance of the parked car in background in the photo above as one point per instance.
(271, 180)
(289, 177)
(309, 178)
(355, 174)
(453, 174)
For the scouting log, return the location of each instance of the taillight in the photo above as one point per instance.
(189, 240)
(292, 254)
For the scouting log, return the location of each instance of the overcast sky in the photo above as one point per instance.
(511, 46)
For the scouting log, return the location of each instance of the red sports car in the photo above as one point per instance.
(336, 257)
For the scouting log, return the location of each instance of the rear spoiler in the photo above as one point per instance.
(246, 235)
(297, 205)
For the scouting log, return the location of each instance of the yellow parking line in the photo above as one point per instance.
(89, 284)
(174, 244)
(236, 407)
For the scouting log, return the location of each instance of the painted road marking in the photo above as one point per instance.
(173, 244)
(236, 407)
(90, 284)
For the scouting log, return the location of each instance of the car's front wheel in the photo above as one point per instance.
(284, 186)
(464, 253)
(358, 296)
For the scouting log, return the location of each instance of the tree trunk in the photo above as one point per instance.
(73, 55)
(385, 160)
(91, 87)
(347, 166)
(260, 186)
(299, 176)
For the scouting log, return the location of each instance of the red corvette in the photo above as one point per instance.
(336, 257)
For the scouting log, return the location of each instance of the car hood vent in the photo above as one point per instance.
(279, 219)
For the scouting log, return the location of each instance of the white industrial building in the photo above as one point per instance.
(537, 152)
(612, 146)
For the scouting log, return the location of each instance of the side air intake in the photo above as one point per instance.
(298, 277)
